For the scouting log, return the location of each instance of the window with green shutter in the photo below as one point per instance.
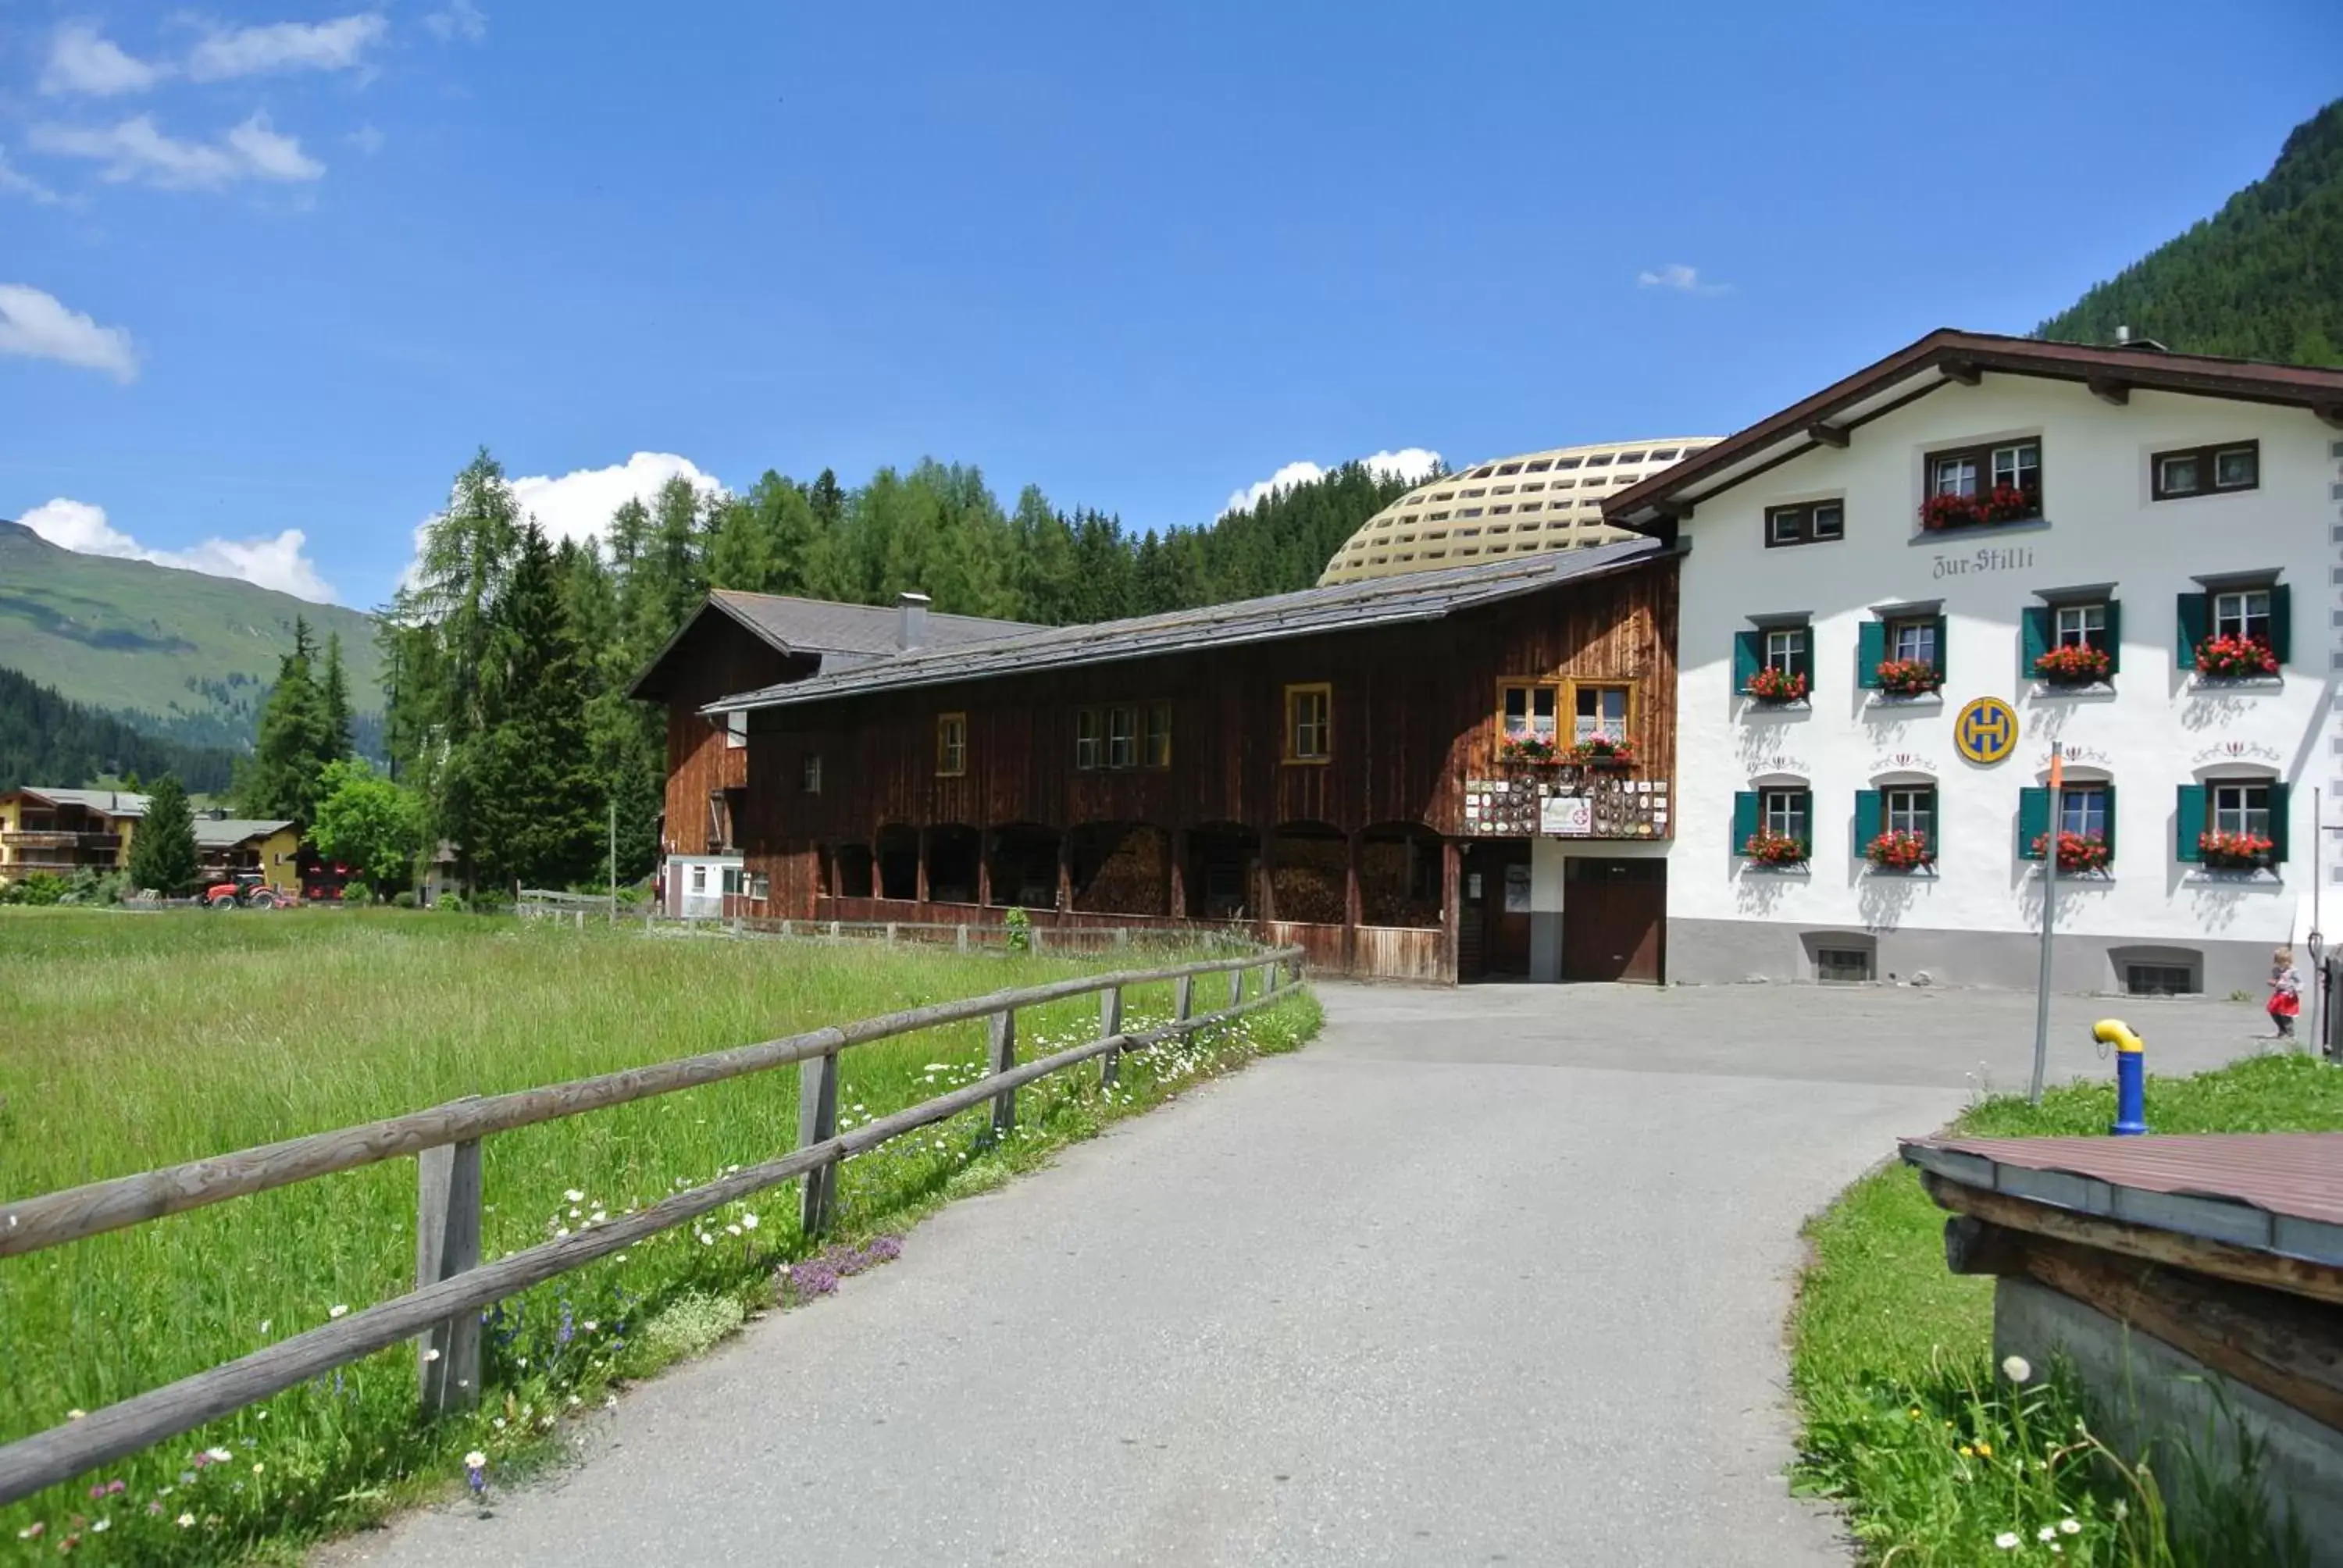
(2195, 614)
(1748, 658)
(1866, 818)
(1745, 820)
(2085, 634)
(2033, 821)
(1870, 653)
(2189, 823)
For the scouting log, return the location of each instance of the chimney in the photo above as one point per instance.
(911, 622)
(2123, 336)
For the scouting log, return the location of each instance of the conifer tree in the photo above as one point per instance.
(163, 844)
(538, 804)
(295, 739)
(334, 695)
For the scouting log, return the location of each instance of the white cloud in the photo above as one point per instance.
(461, 19)
(1683, 279)
(1409, 463)
(577, 504)
(137, 150)
(16, 182)
(84, 60)
(272, 563)
(335, 45)
(39, 326)
(368, 139)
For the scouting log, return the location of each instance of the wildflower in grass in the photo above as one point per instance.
(97, 1525)
(2070, 1526)
(185, 1522)
(32, 1531)
(257, 1468)
(589, 1325)
(2047, 1532)
(338, 1310)
(574, 1196)
(2017, 1369)
(1985, 1449)
(2007, 1540)
(476, 1471)
(748, 1222)
(597, 1216)
(75, 1415)
(218, 1455)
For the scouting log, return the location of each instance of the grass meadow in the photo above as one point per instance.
(1940, 1459)
(130, 1041)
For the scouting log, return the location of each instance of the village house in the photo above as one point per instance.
(1900, 592)
(227, 846)
(739, 642)
(1403, 774)
(64, 831)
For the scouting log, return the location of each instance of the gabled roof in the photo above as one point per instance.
(832, 631)
(1943, 356)
(228, 833)
(110, 802)
(1345, 607)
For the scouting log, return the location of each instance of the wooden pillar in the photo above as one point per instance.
(1065, 872)
(818, 1123)
(447, 1243)
(1001, 1056)
(919, 876)
(1452, 891)
(1268, 862)
(984, 867)
(1176, 898)
(1109, 1025)
(1352, 908)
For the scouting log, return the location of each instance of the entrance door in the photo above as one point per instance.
(1613, 914)
(1494, 939)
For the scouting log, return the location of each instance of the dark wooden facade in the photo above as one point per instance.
(708, 769)
(1357, 856)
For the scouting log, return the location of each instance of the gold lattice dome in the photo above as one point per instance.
(1548, 500)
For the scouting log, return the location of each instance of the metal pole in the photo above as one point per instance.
(614, 860)
(2049, 923)
(2317, 936)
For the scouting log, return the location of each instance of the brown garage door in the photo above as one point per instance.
(1613, 915)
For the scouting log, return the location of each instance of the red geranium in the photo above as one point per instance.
(1773, 685)
(2009, 504)
(2074, 664)
(1604, 750)
(1950, 511)
(2077, 851)
(1528, 748)
(2235, 852)
(1895, 851)
(2235, 656)
(1770, 849)
(1908, 677)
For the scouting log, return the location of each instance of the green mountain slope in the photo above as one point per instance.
(177, 652)
(2260, 279)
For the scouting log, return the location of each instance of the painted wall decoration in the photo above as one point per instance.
(1593, 806)
(1986, 730)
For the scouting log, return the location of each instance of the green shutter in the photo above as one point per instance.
(1748, 655)
(2033, 635)
(1870, 651)
(2282, 622)
(2115, 637)
(1866, 818)
(1944, 644)
(2278, 821)
(1802, 656)
(2195, 626)
(2033, 821)
(1745, 820)
(2188, 821)
(2111, 811)
(1933, 837)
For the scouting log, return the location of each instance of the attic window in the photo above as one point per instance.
(1509, 468)
(1598, 461)
(1665, 455)
(1481, 473)
(1631, 457)
(1566, 462)
(1540, 467)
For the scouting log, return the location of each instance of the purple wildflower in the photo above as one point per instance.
(475, 1472)
(568, 1331)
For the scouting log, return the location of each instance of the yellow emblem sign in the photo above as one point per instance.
(1986, 730)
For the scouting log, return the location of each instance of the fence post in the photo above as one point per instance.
(1034, 941)
(890, 934)
(960, 937)
(817, 1123)
(1183, 999)
(1236, 986)
(447, 1243)
(1122, 936)
(1001, 1059)
(833, 930)
(1110, 1025)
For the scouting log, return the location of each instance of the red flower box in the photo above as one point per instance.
(1529, 748)
(2078, 852)
(1950, 511)
(1772, 685)
(2234, 657)
(1908, 676)
(2075, 663)
(1898, 851)
(1768, 848)
(2009, 504)
(1603, 751)
(2235, 852)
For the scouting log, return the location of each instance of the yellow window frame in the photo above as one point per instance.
(1322, 691)
(1155, 737)
(1531, 684)
(952, 744)
(1570, 706)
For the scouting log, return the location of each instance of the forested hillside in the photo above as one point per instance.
(47, 739)
(2260, 279)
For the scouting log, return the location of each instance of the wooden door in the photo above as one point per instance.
(1497, 910)
(1613, 914)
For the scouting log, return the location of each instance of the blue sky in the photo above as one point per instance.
(283, 267)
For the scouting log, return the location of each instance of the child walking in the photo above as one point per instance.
(2286, 992)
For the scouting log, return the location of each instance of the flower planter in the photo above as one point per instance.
(1768, 849)
(1774, 688)
(1907, 677)
(1894, 851)
(1602, 751)
(2076, 664)
(2235, 658)
(1940, 512)
(2234, 851)
(2078, 853)
(2009, 504)
(1529, 750)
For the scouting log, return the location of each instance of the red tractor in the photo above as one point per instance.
(245, 890)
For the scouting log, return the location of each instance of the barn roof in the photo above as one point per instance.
(228, 833)
(1345, 607)
(109, 802)
(840, 634)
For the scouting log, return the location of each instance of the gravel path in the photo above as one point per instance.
(1488, 1276)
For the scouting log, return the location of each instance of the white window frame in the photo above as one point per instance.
(1782, 811)
(1586, 726)
(2252, 455)
(1924, 634)
(1902, 806)
(1963, 472)
(2228, 806)
(2235, 612)
(2079, 626)
(2081, 796)
(2018, 468)
(2164, 467)
(1784, 647)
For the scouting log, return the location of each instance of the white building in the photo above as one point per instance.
(2153, 501)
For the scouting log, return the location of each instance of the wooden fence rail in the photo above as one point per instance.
(453, 1286)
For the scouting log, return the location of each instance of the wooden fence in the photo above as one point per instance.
(452, 1285)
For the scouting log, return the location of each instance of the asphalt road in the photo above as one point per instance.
(1489, 1276)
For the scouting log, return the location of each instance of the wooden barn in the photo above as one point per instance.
(1452, 775)
(734, 642)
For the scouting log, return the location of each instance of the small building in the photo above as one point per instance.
(226, 846)
(739, 642)
(1899, 592)
(64, 832)
(1460, 774)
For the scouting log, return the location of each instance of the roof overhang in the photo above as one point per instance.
(642, 688)
(1830, 417)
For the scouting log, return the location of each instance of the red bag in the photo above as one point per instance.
(2286, 1004)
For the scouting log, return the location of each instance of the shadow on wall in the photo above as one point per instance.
(1761, 892)
(1885, 897)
